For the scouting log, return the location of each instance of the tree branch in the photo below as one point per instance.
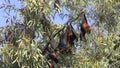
(53, 35)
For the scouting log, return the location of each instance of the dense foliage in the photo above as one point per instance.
(32, 36)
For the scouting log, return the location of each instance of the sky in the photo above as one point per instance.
(2, 12)
(18, 5)
(2, 19)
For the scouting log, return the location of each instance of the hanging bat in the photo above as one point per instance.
(85, 28)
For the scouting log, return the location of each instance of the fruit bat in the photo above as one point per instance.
(71, 34)
(85, 28)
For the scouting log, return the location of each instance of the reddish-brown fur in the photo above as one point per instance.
(51, 64)
(54, 55)
(85, 28)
